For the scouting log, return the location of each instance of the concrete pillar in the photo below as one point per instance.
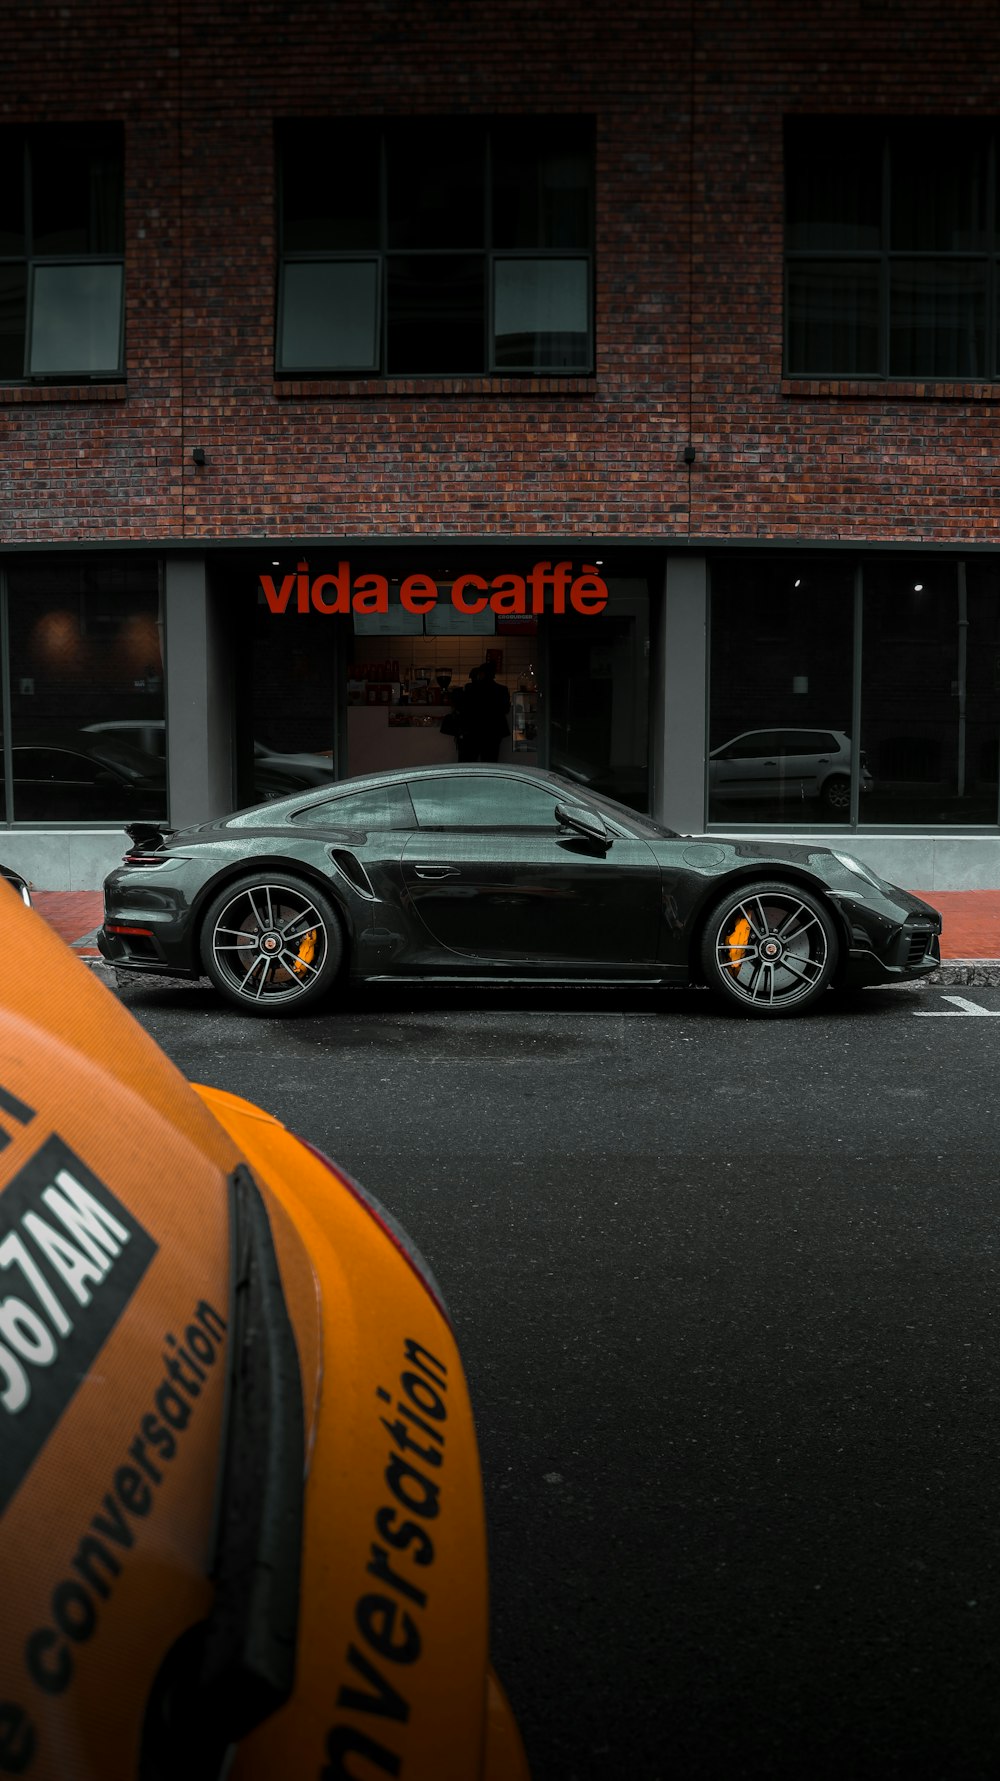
(681, 691)
(199, 696)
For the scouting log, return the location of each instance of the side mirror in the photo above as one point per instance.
(585, 823)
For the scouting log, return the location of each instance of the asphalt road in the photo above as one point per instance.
(727, 1297)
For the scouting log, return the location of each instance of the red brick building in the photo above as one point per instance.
(701, 299)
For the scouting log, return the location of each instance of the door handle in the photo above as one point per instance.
(436, 871)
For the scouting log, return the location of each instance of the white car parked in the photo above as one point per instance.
(776, 765)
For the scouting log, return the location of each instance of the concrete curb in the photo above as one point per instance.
(966, 971)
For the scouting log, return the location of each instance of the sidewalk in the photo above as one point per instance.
(970, 944)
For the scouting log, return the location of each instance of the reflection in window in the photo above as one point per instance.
(380, 807)
(780, 701)
(87, 703)
(599, 696)
(931, 691)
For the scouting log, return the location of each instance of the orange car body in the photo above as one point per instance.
(119, 1368)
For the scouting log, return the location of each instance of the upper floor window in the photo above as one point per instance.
(436, 247)
(892, 238)
(62, 272)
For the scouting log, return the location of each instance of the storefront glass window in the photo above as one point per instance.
(931, 690)
(286, 729)
(86, 693)
(780, 702)
(598, 696)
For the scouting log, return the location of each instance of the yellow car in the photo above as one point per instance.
(241, 1514)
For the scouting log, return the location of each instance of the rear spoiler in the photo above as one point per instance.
(145, 836)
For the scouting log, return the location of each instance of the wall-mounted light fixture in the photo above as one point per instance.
(198, 454)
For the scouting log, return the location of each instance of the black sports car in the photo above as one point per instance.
(498, 874)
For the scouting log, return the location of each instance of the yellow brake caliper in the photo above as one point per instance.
(307, 952)
(737, 943)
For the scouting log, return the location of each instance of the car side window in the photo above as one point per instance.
(755, 747)
(483, 801)
(380, 807)
(55, 763)
(808, 741)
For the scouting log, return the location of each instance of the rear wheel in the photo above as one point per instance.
(272, 944)
(769, 948)
(836, 795)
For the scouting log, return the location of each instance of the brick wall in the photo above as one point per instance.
(689, 279)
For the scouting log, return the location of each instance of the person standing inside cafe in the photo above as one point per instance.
(483, 714)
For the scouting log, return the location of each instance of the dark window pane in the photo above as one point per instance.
(436, 315)
(938, 191)
(978, 724)
(599, 696)
(833, 323)
(76, 191)
(833, 185)
(329, 317)
(76, 319)
(287, 695)
(436, 184)
(541, 185)
(541, 315)
(11, 191)
(929, 691)
(781, 674)
(86, 693)
(937, 319)
(329, 187)
(13, 284)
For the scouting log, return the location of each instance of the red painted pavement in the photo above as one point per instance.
(971, 922)
(971, 919)
(73, 914)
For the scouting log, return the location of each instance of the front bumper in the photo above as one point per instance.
(913, 952)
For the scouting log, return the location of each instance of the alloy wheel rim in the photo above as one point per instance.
(771, 949)
(270, 943)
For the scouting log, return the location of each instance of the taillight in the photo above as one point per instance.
(145, 859)
(392, 1228)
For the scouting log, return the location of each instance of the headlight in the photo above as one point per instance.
(858, 867)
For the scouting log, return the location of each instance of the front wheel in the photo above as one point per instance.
(272, 944)
(769, 948)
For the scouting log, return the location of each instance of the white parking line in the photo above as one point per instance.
(963, 1008)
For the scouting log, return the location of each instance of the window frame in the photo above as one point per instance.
(486, 254)
(30, 261)
(888, 133)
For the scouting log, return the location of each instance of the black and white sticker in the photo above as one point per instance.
(71, 1256)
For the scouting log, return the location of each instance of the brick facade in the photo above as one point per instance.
(689, 105)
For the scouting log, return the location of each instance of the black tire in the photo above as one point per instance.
(836, 795)
(769, 948)
(272, 943)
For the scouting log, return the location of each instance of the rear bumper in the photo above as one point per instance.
(140, 950)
